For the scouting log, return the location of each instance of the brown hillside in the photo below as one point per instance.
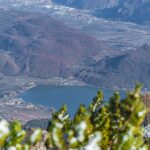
(41, 46)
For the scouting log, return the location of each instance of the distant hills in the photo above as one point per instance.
(137, 11)
(34, 44)
(37, 45)
(23, 2)
(87, 4)
(123, 70)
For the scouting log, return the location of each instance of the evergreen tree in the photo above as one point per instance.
(116, 125)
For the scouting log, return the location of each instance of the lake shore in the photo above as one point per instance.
(12, 86)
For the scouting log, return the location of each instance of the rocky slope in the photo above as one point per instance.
(124, 70)
(37, 45)
(130, 10)
(34, 44)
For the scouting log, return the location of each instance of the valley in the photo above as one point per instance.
(68, 70)
(107, 39)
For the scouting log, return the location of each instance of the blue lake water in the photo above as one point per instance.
(56, 96)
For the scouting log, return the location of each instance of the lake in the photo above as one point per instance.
(56, 96)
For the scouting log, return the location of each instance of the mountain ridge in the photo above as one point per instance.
(44, 48)
(87, 4)
(136, 11)
(120, 71)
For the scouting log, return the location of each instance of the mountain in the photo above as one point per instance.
(137, 11)
(32, 43)
(88, 4)
(120, 71)
(23, 2)
(38, 45)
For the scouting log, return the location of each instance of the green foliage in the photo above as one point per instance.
(12, 136)
(116, 125)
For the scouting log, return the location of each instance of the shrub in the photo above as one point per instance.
(116, 125)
